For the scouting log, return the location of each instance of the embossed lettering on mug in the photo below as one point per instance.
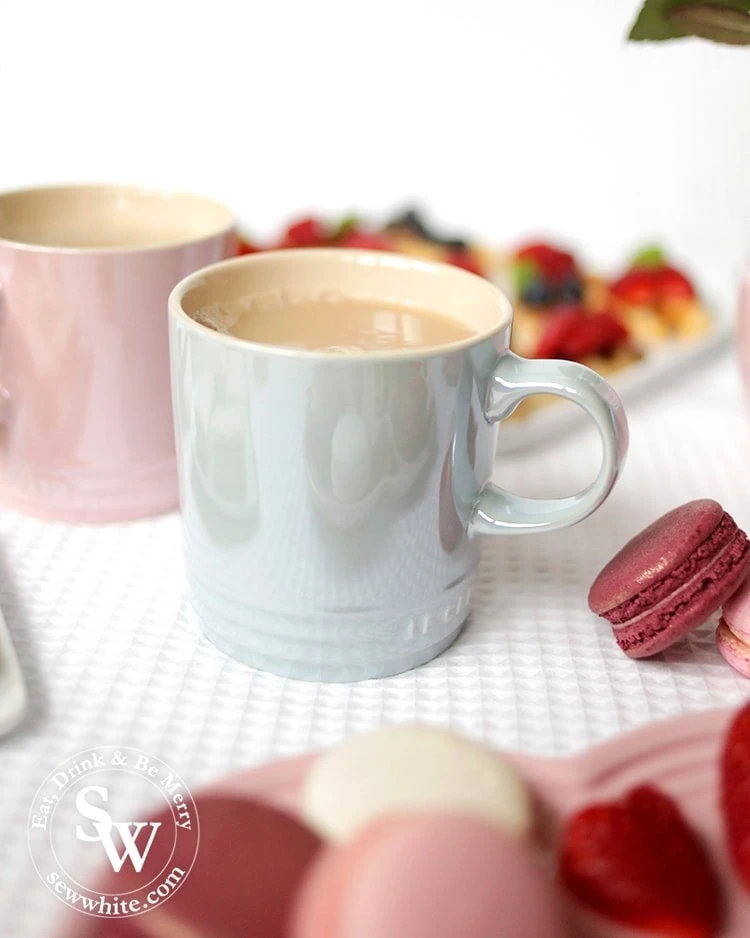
(332, 322)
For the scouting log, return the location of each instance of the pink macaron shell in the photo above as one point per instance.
(734, 651)
(654, 553)
(249, 865)
(429, 876)
(736, 612)
(689, 607)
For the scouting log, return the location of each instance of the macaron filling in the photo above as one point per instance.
(724, 535)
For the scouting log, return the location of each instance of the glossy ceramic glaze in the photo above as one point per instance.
(86, 432)
(330, 502)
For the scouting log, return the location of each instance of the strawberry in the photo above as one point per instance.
(305, 233)
(559, 328)
(553, 264)
(672, 284)
(574, 334)
(369, 241)
(637, 862)
(650, 286)
(597, 334)
(735, 792)
(638, 287)
(465, 261)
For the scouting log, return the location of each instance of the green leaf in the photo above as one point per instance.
(652, 22)
(524, 272)
(651, 256)
(347, 224)
(726, 21)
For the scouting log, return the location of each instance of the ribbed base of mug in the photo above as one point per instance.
(347, 646)
(82, 496)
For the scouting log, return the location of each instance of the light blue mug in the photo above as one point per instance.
(332, 503)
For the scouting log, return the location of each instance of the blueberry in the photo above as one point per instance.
(537, 293)
(454, 244)
(411, 220)
(571, 291)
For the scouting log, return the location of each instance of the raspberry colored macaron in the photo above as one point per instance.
(250, 862)
(733, 633)
(671, 577)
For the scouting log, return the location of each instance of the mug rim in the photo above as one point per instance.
(344, 255)
(227, 226)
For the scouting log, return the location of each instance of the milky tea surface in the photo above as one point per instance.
(332, 322)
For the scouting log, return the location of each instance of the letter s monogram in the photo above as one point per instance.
(101, 819)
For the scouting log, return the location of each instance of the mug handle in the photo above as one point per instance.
(499, 512)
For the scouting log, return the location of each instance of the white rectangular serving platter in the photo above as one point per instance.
(13, 695)
(656, 367)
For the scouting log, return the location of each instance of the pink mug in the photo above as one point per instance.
(85, 413)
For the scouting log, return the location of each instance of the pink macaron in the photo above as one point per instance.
(672, 577)
(429, 876)
(733, 633)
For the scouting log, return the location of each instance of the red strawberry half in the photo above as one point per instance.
(305, 233)
(575, 334)
(559, 328)
(735, 793)
(649, 286)
(553, 264)
(673, 284)
(596, 334)
(638, 287)
(638, 862)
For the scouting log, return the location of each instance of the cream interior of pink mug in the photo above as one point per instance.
(102, 218)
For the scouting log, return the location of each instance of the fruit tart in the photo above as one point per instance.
(657, 301)
(408, 233)
(562, 309)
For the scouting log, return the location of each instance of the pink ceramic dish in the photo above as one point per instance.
(85, 412)
(680, 756)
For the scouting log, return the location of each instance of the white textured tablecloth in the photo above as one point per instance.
(113, 656)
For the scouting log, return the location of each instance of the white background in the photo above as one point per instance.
(507, 116)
